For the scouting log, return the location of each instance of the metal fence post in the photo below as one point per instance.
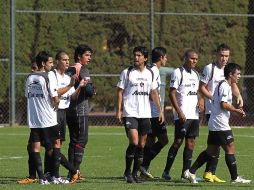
(12, 65)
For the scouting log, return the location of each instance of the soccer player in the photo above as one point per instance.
(184, 97)
(77, 113)
(42, 103)
(212, 74)
(136, 85)
(65, 92)
(157, 138)
(220, 133)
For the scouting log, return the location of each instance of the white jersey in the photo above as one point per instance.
(63, 81)
(137, 87)
(186, 85)
(39, 92)
(154, 110)
(219, 119)
(211, 76)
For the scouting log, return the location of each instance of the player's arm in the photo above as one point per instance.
(75, 94)
(229, 107)
(119, 95)
(237, 94)
(172, 96)
(65, 89)
(55, 102)
(203, 89)
(156, 99)
(201, 103)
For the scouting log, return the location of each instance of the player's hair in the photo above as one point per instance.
(42, 56)
(142, 50)
(59, 54)
(231, 68)
(80, 50)
(188, 52)
(157, 53)
(222, 47)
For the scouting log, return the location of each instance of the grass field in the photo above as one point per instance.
(103, 163)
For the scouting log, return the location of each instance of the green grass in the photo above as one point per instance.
(103, 163)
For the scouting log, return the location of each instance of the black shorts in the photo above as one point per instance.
(189, 129)
(157, 128)
(143, 125)
(220, 137)
(42, 135)
(61, 120)
(55, 132)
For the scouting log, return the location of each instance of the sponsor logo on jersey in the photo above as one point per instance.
(142, 84)
(191, 93)
(140, 93)
(133, 84)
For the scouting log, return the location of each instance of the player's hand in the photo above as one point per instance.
(182, 117)
(119, 116)
(241, 112)
(161, 117)
(82, 83)
(239, 101)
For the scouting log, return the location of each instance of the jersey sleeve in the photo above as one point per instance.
(206, 74)
(224, 93)
(52, 84)
(175, 79)
(122, 81)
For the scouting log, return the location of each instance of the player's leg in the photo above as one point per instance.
(152, 148)
(180, 133)
(192, 131)
(131, 128)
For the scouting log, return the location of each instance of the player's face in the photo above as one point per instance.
(85, 58)
(49, 64)
(236, 76)
(192, 60)
(139, 59)
(222, 58)
(164, 60)
(64, 61)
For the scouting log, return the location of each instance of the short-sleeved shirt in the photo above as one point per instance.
(186, 85)
(211, 78)
(154, 110)
(137, 86)
(219, 119)
(39, 93)
(63, 81)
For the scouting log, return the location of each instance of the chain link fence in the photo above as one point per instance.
(112, 29)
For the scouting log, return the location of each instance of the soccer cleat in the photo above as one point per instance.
(217, 180)
(43, 182)
(136, 179)
(191, 177)
(48, 176)
(240, 179)
(128, 178)
(145, 173)
(80, 177)
(59, 180)
(27, 181)
(208, 177)
(74, 177)
(166, 175)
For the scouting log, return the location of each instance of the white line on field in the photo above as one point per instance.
(11, 157)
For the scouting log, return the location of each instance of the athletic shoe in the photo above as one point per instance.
(26, 181)
(74, 178)
(145, 173)
(43, 182)
(191, 177)
(166, 175)
(129, 178)
(80, 177)
(240, 179)
(217, 180)
(59, 180)
(48, 176)
(208, 177)
(136, 179)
